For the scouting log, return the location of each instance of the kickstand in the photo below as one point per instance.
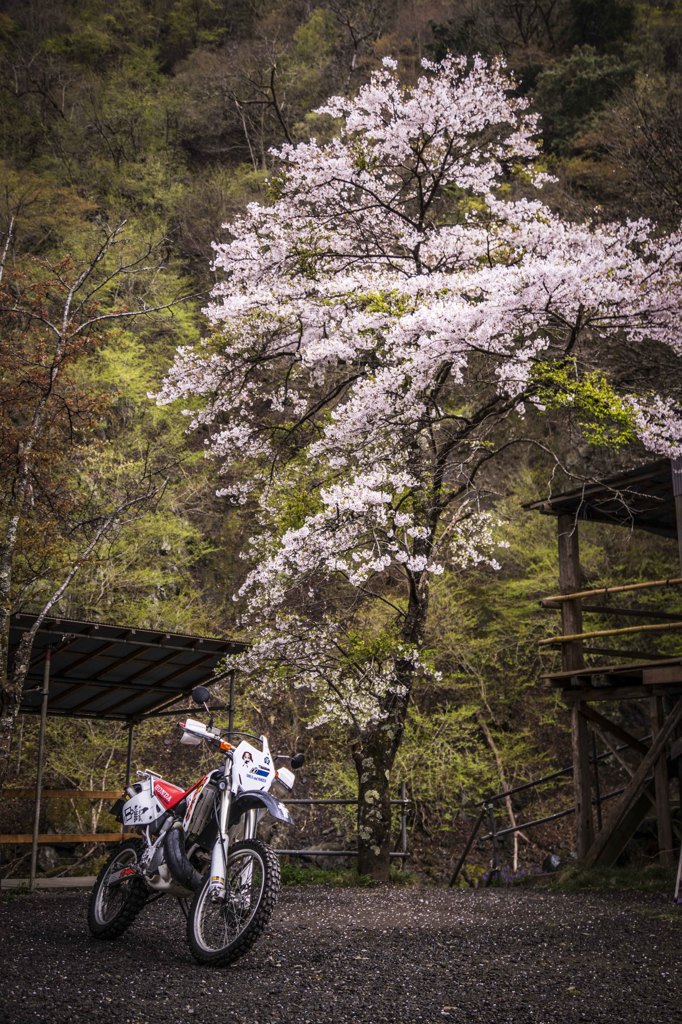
(184, 905)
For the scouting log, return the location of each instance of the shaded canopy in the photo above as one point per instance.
(642, 498)
(105, 671)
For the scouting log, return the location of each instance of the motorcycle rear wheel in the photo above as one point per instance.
(222, 929)
(116, 899)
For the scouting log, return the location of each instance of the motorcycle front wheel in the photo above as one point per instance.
(119, 893)
(220, 929)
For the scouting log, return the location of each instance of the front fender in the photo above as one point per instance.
(247, 801)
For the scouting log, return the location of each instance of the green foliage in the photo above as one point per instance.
(605, 419)
(652, 878)
(294, 873)
(158, 111)
(391, 303)
(569, 91)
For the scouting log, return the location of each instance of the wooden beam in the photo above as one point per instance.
(620, 631)
(620, 589)
(49, 839)
(663, 819)
(615, 835)
(569, 579)
(597, 670)
(676, 470)
(572, 658)
(582, 786)
(572, 695)
(625, 765)
(615, 730)
(61, 794)
(662, 676)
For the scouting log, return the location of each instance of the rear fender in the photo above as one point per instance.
(258, 800)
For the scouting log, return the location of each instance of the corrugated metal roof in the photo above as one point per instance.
(641, 499)
(99, 670)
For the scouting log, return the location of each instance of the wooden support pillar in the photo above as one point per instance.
(569, 583)
(663, 818)
(41, 764)
(633, 803)
(572, 657)
(676, 467)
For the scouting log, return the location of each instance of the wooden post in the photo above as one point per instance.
(632, 804)
(572, 657)
(663, 819)
(230, 720)
(39, 775)
(676, 467)
(569, 583)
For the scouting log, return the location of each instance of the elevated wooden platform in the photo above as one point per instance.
(606, 681)
(594, 670)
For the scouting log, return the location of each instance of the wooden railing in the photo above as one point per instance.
(54, 839)
(573, 643)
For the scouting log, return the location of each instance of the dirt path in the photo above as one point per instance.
(356, 956)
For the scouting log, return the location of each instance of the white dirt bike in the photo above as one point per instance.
(199, 843)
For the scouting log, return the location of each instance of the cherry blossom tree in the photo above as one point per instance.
(380, 330)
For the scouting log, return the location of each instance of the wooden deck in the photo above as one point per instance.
(592, 671)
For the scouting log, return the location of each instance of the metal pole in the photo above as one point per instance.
(129, 753)
(230, 721)
(403, 818)
(494, 870)
(470, 840)
(39, 777)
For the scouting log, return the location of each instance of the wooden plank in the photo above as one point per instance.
(28, 793)
(594, 670)
(662, 676)
(619, 828)
(49, 839)
(574, 637)
(615, 730)
(613, 843)
(79, 882)
(571, 694)
(620, 589)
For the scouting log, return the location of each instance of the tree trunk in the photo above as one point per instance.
(376, 752)
(373, 762)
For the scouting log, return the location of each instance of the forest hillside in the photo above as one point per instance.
(131, 133)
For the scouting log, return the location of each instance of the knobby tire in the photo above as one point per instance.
(128, 897)
(220, 931)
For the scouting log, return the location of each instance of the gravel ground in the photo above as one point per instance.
(356, 956)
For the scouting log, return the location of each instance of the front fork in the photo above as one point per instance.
(220, 847)
(217, 887)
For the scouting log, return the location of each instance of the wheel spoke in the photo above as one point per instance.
(221, 928)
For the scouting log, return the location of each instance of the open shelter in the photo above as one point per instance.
(102, 671)
(604, 663)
